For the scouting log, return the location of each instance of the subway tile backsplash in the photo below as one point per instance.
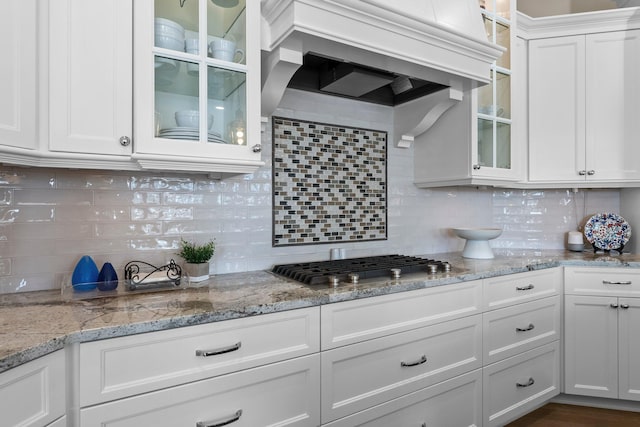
(49, 218)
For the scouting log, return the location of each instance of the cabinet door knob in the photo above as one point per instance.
(582, 173)
(527, 384)
(222, 422)
(591, 172)
(256, 148)
(125, 141)
(223, 350)
(624, 306)
(613, 305)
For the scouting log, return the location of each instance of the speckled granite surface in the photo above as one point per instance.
(36, 323)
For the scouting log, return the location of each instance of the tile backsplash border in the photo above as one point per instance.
(329, 183)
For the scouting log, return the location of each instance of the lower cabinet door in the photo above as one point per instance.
(33, 394)
(283, 394)
(591, 346)
(358, 376)
(453, 403)
(515, 386)
(629, 348)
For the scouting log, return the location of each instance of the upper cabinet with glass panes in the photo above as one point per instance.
(196, 68)
(494, 101)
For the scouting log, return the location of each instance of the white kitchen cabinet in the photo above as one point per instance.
(359, 320)
(19, 74)
(120, 367)
(90, 77)
(375, 350)
(510, 331)
(359, 376)
(582, 94)
(519, 384)
(591, 346)
(521, 340)
(34, 394)
(453, 403)
(602, 356)
(221, 89)
(284, 394)
(97, 71)
(487, 152)
(508, 290)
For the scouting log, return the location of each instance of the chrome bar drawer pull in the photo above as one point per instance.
(609, 282)
(528, 384)
(422, 360)
(222, 422)
(207, 353)
(528, 328)
(524, 288)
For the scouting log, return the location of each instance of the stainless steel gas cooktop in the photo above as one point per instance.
(353, 270)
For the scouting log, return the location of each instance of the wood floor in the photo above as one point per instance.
(560, 415)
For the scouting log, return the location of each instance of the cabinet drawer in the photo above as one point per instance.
(517, 385)
(624, 282)
(456, 403)
(283, 394)
(355, 321)
(522, 327)
(521, 287)
(362, 375)
(121, 367)
(33, 394)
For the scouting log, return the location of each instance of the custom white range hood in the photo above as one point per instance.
(376, 51)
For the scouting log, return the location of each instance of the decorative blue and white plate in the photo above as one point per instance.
(607, 231)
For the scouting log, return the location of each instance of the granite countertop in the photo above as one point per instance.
(34, 324)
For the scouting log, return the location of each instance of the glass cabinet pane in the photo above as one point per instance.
(485, 143)
(177, 111)
(203, 84)
(503, 145)
(226, 29)
(171, 22)
(502, 8)
(503, 95)
(503, 38)
(226, 100)
(485, 98)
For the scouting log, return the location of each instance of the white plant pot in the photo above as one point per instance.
(197, 272)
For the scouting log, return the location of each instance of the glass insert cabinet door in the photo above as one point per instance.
(193, 78)
(494, 100)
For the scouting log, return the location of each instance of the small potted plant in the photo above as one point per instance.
(196, 257)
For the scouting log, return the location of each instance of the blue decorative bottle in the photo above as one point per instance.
(107, 278)
(85, 275)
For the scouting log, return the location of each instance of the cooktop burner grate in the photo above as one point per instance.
(316, 273)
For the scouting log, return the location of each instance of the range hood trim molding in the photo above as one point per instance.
(284, 19)
(386, 40)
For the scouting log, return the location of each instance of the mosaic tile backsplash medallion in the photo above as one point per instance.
(329, 183)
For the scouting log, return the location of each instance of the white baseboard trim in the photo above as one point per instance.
(597, 402)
